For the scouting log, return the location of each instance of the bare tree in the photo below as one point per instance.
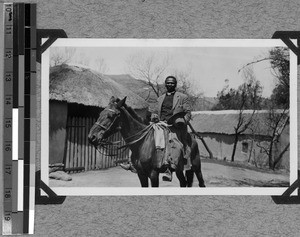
(69, 53)
(56, 58)
(186, 86)
(150, 68)
(248, 96)
(280, 156)
(242, 125)
(61, 56)
(82, 59)
(275, 121)
(100, 65)
(183, 78)
(280, 68)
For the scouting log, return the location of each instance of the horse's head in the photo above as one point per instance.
(108, 122)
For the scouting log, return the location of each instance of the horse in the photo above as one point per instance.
(118, 116)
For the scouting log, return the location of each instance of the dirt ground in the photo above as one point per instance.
(215, 175)
(170, 215)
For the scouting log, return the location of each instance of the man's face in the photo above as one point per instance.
(170, 85)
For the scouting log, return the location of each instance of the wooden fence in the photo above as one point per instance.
(81, 155)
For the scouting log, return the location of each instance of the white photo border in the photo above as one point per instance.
(92, 191)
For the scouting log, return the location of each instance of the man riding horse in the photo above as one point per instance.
(173, 108)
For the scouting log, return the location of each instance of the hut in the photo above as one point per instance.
(77, 96)
(217, 129)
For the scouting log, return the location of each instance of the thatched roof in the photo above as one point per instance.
(224, 121)
(75, 84)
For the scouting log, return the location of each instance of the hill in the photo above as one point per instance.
(205, 103)
(141, 88)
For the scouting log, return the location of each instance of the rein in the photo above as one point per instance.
(99, 150)
(131, 140)
(136, 137)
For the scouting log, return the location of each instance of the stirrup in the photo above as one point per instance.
(167, 176)
(185, 161)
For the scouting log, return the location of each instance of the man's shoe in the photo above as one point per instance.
(128, 166)
(125, 166)
(167, 176)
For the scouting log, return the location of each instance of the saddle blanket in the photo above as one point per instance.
(159, 134)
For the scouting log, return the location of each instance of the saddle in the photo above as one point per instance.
(169, 149)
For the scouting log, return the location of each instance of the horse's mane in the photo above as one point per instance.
(132, 112)
(135, 115)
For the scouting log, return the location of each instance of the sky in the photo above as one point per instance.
(208, 67)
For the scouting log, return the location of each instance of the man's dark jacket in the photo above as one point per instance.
(180, 104)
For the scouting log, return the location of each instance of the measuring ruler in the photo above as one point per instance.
(19, 117)
(8, 108)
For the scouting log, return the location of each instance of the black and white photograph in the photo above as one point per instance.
(217, 116)
(150, 118)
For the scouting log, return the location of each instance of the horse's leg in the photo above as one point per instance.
(143, 179)
(196, 163)
(199, 176)
(196, 167)
(154, 177)
(189, 175)
(181, 178)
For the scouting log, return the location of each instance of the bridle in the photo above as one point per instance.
(112, 123)
(107, 143)
(129, 140)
